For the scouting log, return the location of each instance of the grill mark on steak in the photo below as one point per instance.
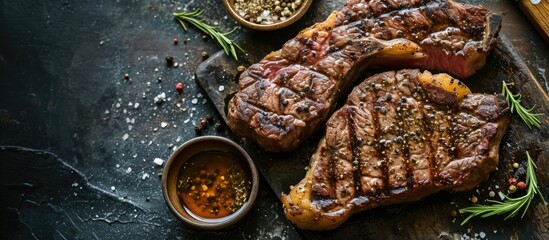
(330, 56)
(355, 142)
(452, 138)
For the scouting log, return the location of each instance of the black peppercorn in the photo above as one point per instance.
(169, 60)
(198, 128)
(209, 118)
(219, 127)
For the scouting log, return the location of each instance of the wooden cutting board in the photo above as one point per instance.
(538, 13)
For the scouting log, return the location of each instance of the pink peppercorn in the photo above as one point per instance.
(179, 87)
(521, 185)
(512, 181)
(175, 41)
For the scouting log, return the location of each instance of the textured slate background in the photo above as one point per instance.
(65, 107)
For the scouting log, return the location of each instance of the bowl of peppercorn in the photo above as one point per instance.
(267, 14)
(210, 183)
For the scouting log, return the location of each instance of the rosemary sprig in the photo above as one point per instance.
(227, 44)
(511, 205)
(531, 119)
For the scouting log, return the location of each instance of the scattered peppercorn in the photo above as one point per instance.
(512, 181)
(492, 194)
(209, 118)
(179, 87)
(169, 60)
(148, 199)
(453, 213)
(516, 165)
(126, 76)
(203, 122)
(521, 185)
(474, 199)
(198, 129)
(175, 41)
(240, 68)
(219, 127)
(204, 37)
(204, 55)
(512, 189)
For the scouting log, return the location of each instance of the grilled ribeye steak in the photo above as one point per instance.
(285, 97)
(400, 137)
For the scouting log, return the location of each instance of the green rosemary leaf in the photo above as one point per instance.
(227, 44)
(530, 118)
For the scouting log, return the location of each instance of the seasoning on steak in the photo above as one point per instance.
(400, 136)
(285, 97)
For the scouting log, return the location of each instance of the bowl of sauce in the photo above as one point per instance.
(210, 183)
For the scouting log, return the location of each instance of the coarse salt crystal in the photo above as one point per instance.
(129, 170)
(186, 120)
(130, 127)
(164, 124)
(221, 88)
(136, 105)
(194, 101)
(482, 235)
(113, 188)
(145, 176)
(126, 136)
(158, 161)
(160, 98)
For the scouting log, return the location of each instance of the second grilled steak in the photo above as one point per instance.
(285, 97)
(400, 137)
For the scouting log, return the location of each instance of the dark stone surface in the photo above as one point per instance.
(65, 108)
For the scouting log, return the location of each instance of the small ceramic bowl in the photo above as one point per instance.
(185, 152)
(296, 15)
